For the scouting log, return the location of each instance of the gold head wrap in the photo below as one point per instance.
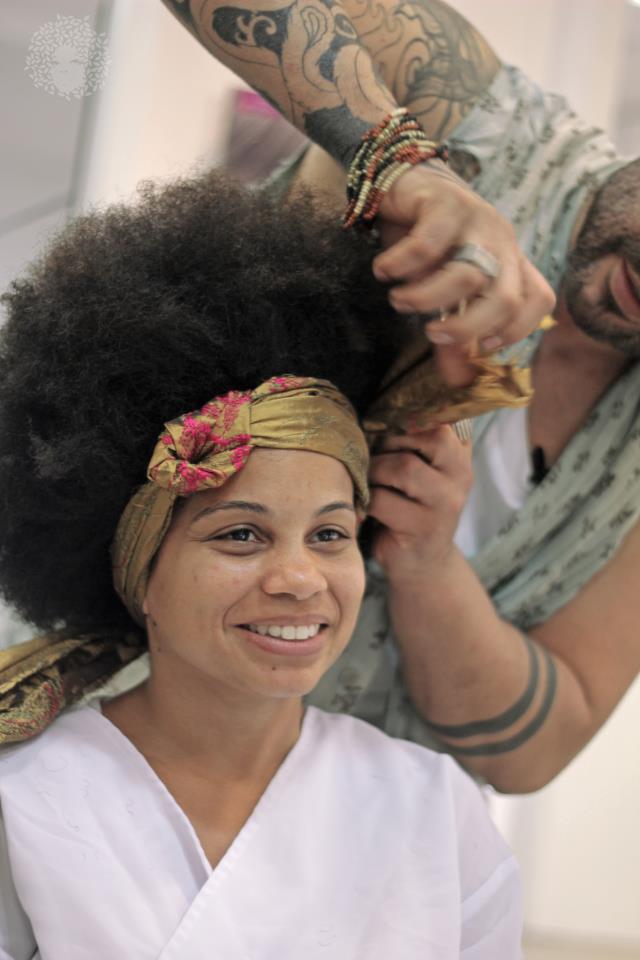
(202, 450)
(198, 451)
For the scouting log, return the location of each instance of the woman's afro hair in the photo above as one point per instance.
(140, 313)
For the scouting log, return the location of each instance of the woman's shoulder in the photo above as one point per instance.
(69, 740)
(367, 746)
(426, 795)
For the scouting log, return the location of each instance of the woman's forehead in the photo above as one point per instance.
(277, 478)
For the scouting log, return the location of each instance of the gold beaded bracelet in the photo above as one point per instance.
(386, 151)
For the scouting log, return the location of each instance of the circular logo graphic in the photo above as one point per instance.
(68, 58)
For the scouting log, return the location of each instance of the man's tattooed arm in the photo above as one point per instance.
(335, 69)
(303, 56)
(431, 58)
(516, 725)
(515, 708)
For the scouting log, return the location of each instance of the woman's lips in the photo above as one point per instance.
(624, 293)
(286, 648)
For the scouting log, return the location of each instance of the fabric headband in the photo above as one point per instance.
(205, 448)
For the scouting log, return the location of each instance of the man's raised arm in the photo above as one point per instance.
(303, 56)
(307, 58)
(431, 58)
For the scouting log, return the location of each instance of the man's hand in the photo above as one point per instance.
(419, 485)
(426, 215)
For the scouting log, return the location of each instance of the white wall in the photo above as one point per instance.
(163, 110)
(578, 840)
(570, 46)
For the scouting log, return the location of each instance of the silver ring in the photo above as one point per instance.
(463, 429)
(478, 257)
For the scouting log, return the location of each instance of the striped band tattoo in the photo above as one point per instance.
(503, 720)
(509, 717)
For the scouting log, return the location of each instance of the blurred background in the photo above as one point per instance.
(96, 95)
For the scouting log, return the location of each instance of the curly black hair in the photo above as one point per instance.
(135, 315)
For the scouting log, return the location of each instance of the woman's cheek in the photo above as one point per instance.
(353, 580)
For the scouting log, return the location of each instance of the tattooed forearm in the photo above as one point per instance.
(431, 58)
(304, 56)
(336, 68)
(516, 725)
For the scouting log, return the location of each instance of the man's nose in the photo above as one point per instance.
(294, 572)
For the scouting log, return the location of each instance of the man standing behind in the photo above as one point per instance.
(514, 641)
(551, 523)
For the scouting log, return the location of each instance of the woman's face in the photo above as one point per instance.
(257, 584)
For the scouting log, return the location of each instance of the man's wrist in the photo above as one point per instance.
(442, 169)
(430, 570)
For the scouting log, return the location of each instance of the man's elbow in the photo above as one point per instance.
(525, 770)
(511, 780)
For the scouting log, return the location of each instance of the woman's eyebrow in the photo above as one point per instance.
(336, 505)
(253, 507)
(230, 505)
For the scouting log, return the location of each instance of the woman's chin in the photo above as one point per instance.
(283, 684)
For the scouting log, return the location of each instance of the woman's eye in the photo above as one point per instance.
(239, 535)
(330, 535)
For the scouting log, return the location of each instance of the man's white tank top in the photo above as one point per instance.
(502, 480)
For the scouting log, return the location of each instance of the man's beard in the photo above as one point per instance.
(601, 320)
(612, 227)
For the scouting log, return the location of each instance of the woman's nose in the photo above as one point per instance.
(294, 573)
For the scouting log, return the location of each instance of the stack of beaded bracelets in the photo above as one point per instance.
(386, 151)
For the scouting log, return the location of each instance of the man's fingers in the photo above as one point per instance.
(439, 218)
(492, 304)
(395, 512)
(443, 289)
(539, 301)
(456, 365)
(405, 473)
(427, 243)
(407, 476)
(438, 449)
(408, 259)
(499, 305)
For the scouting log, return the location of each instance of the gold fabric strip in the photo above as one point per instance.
(413, 396)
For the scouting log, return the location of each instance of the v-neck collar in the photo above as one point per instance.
(272, 791)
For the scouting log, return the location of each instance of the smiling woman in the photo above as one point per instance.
(273, 580)
(207, 805)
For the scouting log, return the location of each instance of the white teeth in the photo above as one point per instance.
(286, 632)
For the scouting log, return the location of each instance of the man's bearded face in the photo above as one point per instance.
(602, 280)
